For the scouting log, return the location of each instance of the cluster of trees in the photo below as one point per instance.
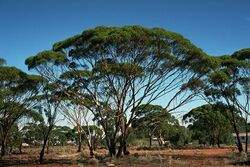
(31, 135)
(156, 122)
(209, 125)
(110, 76)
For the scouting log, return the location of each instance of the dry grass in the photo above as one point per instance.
(68, 156)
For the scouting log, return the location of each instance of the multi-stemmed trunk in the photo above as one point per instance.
(112, 150)
(123, 143)
(111, 138)
(111, 147)
(111, 144)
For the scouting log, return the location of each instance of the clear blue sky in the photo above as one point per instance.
(29, 26)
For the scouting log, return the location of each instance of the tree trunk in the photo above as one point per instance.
(246, 131)
(150, 139)
(125, 148)
(150, 142)
(234, 124)
(91, 151)
(238, 143)
(94, 141)
(123, 144)
(47, 147)
(79, 141)
(46, 137)
(3, 146)
(11, 149)
(120, 152)
(161, 140)
(112, 150)
(43, 150)
(218, 142)
(20, 148)
(246, 141)
(111, 147)
(213, 142)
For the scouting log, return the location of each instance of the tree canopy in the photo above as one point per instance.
(122, 68)
(209, 124)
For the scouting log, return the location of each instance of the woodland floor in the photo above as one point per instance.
(67, 157)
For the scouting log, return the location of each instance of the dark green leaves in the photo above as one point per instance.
(44, 57)
(11, 74)
(76, 74)
(66, 43)
(119, 69)
(219, 77)
(243, 54)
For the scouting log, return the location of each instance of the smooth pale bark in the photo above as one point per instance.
(91, 150)
(79, 131)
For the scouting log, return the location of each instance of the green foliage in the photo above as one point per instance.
(76, 74)
(59, 135)
(44, 57)
(225, 82)
(113, 70)
(119, 69)
(66, 43)
(154, 121)
(12, 75)
(33, 133)
(15, 137)
(243, 54)
(209, 124)
(154, 116)
(121, 41)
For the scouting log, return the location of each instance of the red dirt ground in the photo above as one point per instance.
(67, 156)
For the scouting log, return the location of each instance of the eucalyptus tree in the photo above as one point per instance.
(75, 115)
(47, 104)
(78, 116)
(119, 68)
(32, 133)
(18, 131)
(243, 103)
(209, 122)
(94, 133)
(155, 121)
(225, 85)
(16, 89)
